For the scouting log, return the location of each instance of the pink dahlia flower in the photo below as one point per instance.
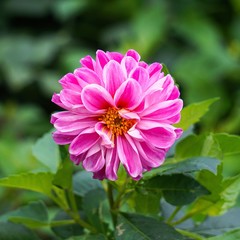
(118, 110)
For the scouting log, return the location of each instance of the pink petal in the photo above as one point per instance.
(129, 95)
(94, 163)
(83, 142)
(178, 132)
(88, 62)
(128, 156)
(87, 75)
(69, 81)
(105, 134)
(76, 126)
(134, 54)
(101, 61)
(174, 94)
(161, 137)
(56, 99)
(70, 98)
(154, 68)
(113, 76)
(95, 98)
(151, 157)
(112, 164)
(128, 64)
(62, 139)
(115, 56)
(141, 75)
(163, 110)
(168, 87)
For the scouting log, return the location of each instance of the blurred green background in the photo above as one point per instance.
(40, 41)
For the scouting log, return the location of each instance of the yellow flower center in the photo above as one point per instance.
(115, 123)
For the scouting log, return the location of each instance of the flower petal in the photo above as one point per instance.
(163, 110)
(87, 75)
(62, 139)
(151, 157)
(112, 164)
(113, 76)
(128, 64)
(141, 75)
(129, 95)
(128, 156)
(69, 81)
(70, 98)
(96, 98)
(88, 62)
(134, 54)
(94, 163)
(105, 134)
(161, 137)
(115, 56)
(83, 142)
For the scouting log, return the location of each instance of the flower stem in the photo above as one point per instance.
(73, 213)
(184, 218)
(174, 213)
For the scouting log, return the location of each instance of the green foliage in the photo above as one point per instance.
(50, 156)
(134, 226)
(192, 113)
(43, 40)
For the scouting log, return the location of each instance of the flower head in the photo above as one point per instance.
(118, 110)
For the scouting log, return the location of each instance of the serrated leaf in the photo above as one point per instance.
(133, 226)
(38, 182)
(186, 166)
(177, 189)
(198, 145)
(229, 144)
(192, 113)
(10, 231)
(223, 195)
(46, 151)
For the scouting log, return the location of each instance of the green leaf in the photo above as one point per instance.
(68, 230)
(83, 183)
(185, 166)
(133, 226)
(141, 199)
(38, 182)
(12, 231)
(46, 151)
(192, 113)
(89, 237)
(177, 189)
(93, 204)
(198, 145)
(231, 235)
(220, 224)
(63, 177)
(229, 144)
(33, 215)
(223, 195)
